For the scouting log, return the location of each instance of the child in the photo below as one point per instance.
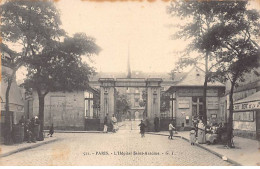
(51, 131)
(192, 136)
(142, 128)
(171, 128)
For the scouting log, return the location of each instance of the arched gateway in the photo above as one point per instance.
(107, 96)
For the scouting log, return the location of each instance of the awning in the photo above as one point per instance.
(249, 103)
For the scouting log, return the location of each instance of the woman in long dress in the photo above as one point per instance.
(201, 133)
(114, 123)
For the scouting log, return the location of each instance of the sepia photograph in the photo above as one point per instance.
(130, 83)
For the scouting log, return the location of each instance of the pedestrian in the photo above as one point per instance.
(105, 124)
(156, 123)
(114, 123)
(171, 128)
(142, 128)
(31, 132)
(192, 136)
(51, 131)
(195, 124)
(22, 120)
(27, 135)
(201, 133)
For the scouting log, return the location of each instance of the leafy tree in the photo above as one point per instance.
(238, 52)
(223, 30)
(60, 68)
(30, 26)
(201, 18)
(122, 104)
(165, 102)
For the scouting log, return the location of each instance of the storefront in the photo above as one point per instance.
(246, 116)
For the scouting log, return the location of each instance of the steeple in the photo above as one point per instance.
(128, 64)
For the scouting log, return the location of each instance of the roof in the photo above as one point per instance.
(253, 97)
(196, 77)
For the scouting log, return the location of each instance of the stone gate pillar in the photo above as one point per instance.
(153, 87)
(107, 99)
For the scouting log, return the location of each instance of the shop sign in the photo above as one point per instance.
(247, 106)
(184, 104)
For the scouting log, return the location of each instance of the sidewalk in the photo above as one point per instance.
(6, 150)
(245, 153)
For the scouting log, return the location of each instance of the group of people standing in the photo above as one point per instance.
(113, 123)
(32, 129)
(202, 132)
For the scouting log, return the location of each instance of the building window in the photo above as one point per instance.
(89, 104)
(197, 106)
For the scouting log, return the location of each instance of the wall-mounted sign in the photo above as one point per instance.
(213, 105)
(213, 116)
(247, 106)
(244, 116)
(184, 104)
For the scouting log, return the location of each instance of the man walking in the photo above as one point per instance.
(105, 124)
(142, 128)
(171, 128)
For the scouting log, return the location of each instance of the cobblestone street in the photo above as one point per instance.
(125, 147)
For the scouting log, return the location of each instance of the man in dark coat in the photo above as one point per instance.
(156, 123)
(142, 128)
(51, 131)
(31, 130)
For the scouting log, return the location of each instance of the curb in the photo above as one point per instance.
(205, 148)
(72, 131)
(27, 148)
(64, 131)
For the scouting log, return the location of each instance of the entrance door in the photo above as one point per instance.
(258, 124)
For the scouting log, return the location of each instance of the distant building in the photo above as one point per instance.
(134, 95)
(16, 96)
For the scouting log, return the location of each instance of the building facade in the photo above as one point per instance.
(16, 97)
(246, 99)
(186, 99)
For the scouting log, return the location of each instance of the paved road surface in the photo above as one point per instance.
(125, 147)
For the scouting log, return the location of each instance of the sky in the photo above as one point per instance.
(137, 29)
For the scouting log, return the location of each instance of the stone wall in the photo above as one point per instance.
(64, 109)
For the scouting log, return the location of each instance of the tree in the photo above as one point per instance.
(228, 39)
(122, 104)
(60, 68)
(30, 25)
(11, 61)
(238, 52)
(200, 19)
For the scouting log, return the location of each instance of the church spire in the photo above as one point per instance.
(128, 64)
